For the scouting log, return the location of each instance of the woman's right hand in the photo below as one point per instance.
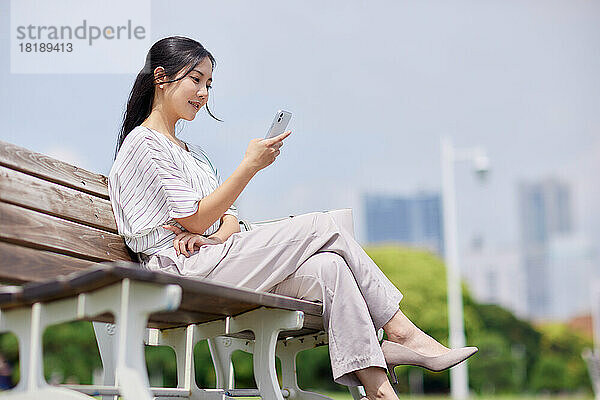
(186, 242)
(262, 152)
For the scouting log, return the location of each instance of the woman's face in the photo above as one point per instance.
(185, 97)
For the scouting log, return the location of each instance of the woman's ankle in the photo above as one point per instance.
(376, 384)
(383, 392)
(400, 329)
(401, 337)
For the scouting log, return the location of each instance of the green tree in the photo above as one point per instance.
(520, 345)
(71, 351)
(492, 370)
(560, 366)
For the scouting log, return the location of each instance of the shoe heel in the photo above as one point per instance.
(392, 374)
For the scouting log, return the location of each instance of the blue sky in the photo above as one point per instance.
(373, 86)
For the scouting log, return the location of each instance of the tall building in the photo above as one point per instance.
(545, 212)
(572, 269)
(415, 220)
(494, 276)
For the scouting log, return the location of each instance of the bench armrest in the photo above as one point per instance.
(246, 225)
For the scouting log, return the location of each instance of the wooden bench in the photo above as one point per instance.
(59, 243)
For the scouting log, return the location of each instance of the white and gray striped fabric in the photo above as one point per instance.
(153, 181)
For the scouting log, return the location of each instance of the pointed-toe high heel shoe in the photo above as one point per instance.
(397, 354)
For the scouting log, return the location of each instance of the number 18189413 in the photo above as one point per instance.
(46, 47)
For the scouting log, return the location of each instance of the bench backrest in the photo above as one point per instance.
(55, 218)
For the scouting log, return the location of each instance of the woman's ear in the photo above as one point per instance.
(159, 76)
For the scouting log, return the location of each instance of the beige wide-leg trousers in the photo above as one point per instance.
(311, 257)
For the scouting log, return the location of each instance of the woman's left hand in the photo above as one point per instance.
(185, 241)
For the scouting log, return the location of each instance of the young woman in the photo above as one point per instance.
(173, 210)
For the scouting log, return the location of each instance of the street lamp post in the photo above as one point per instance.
(459, 380)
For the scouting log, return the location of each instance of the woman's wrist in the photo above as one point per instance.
(217, 238)
(249, 167)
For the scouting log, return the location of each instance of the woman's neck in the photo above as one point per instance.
(160, 122)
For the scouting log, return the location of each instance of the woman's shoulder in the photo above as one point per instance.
(139, 138)
(137, 143)
(141, 134)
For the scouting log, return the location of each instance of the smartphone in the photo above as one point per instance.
(280, 122)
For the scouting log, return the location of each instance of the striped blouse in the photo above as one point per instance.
(153, 181)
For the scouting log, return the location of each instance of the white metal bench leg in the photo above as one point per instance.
(105, 337)
(266, 325)
(181, 341)
(220, 353)
(138, 301)
(29, 325)
(287, 351)
(221, 350)
(208, 331)
(19, 321)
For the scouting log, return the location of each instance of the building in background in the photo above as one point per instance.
(572, 270)
(414, 220)
(494, 276)
(545, 213)
(547, 277)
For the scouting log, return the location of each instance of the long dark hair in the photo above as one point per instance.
(173, 54)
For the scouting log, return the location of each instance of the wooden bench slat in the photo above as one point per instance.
(215, 297)
(53, 170)
(209, 298)
(48, 197)
(33, 229)
(22, 264)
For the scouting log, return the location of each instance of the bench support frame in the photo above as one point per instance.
(122, 349)
(131, 317)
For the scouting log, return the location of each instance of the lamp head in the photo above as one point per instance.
(481, 165)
